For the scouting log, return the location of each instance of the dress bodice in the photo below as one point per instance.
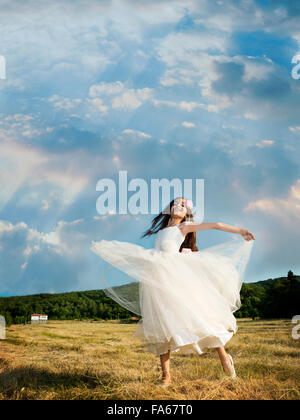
(169, 239)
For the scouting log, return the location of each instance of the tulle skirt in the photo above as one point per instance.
(186, 300)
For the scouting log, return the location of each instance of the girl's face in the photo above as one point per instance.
(179, 209)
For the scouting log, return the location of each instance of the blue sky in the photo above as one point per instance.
(162, 89)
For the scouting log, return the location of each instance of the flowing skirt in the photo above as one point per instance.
(186, 300)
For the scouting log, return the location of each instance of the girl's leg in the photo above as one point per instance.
(165, 367)
(226, 364)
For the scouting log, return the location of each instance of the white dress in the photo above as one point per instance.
(186, 300)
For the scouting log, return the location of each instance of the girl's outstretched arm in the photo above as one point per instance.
(247, 235)
(195, 227)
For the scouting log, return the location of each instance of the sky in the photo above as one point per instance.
(195, 89)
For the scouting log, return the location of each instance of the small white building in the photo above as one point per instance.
(2, 328)
(38, 318)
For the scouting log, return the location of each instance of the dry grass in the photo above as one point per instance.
(103, 361)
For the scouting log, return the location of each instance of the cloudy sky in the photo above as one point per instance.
(162, 89)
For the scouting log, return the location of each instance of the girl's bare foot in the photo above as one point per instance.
(165, 380)
(227, 366)
(227, 362)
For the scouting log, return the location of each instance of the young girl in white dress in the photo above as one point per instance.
(186, 296)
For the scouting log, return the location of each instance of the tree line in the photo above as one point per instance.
(272, 298)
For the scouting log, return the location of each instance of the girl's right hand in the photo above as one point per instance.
(247, 235)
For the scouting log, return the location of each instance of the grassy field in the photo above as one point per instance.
(102, 360)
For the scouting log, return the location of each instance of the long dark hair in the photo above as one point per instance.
(161, 221)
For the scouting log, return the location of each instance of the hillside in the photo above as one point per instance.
(272, 298)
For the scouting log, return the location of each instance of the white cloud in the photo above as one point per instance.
(23, 266)
(33, 36)
(190, 62)
(19, 117)
(256, 68)
(265, 143)
(185, 105)
(64, 103)
(251, 116)
(56, 239)
(228, 19)
(285, 209)
(106, 89)
(232, 127)
(59, 238)
(36, 260)
(117, 96)
(178, 75)
(33, 167)
(295, 129)
(182, 47)
(132, 99)
(187, 124)
(136, 133)
(21, 125)
(98, 104)
(106, 96)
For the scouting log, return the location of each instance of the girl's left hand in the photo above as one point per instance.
(247, 235)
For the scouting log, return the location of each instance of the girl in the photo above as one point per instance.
(186, 297)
